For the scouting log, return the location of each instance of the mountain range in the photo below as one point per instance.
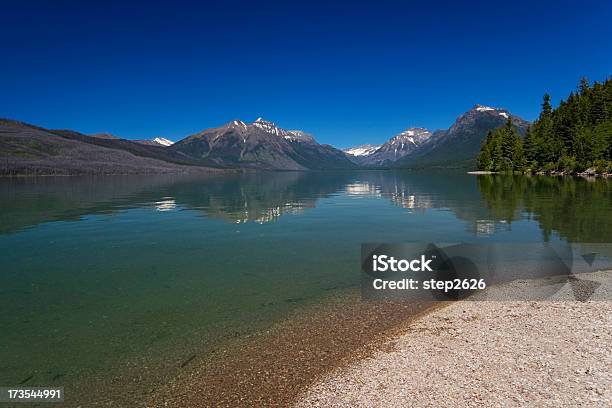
(398, 146)
(29, 149)
(454, 147)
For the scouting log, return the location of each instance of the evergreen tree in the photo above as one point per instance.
(484, 159)
(507, 140)
(518, 155)
(546, 107)
(598, 112)
(496, 151)
(574, 136)
(530, 147)
(584, 101)
(502, 150)
(546, 148)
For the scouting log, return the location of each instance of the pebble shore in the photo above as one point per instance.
(486, 353)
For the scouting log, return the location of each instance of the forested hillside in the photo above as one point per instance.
(574, 137)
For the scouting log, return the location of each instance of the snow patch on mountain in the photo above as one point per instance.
(239, 123)
(299, 136)
(500, 112)
(398, 146)
(163, 141)
(364, 150)
(269, 127)
(481, 108)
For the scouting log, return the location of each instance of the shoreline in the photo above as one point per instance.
(310, 358)
(275, 366)
(583, 175)
(555, 352)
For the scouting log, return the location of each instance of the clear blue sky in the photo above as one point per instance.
(348, 73)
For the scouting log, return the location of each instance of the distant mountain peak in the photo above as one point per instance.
(157, 141)
(498, 111)
(262, 121)
(396, 147)
(163, 141)
(459, 145)
(269, 127)
(261, 144)
(483, 113)
(483, 108)
(363, 150)
(237, 123)
(412, 135)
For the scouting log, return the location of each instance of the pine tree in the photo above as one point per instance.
(574, 136)
(530, 147)
(497, 154)
(507, 139)
(546, 107)
(547, 148)
(584, 101)
(598, 112)
(518, 156)
(562, 124)
(607, 91)
(484, 159)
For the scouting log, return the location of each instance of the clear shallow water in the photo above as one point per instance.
(102, 273)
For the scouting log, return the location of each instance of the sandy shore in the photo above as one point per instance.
(486, 353)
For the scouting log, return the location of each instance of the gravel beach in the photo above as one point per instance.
(487, 353)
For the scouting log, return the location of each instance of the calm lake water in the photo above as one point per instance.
(102, 274)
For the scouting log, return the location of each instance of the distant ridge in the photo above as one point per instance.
(261, 145)
(32, 150)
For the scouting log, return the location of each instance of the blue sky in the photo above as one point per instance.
(349, 73)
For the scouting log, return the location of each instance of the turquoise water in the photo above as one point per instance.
(100, 274)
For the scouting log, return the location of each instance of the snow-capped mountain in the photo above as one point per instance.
(363, 150)
(500, 112)
(481, 113)
(291, 135)
(462, 141)
(395, 148)
(163, 141)
(269, 127)
(261, 144)
(158, 141)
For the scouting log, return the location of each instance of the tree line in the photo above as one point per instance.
(574, 137)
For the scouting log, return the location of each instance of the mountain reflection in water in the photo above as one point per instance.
(577, 209)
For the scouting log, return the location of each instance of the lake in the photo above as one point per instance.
(102, 276)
